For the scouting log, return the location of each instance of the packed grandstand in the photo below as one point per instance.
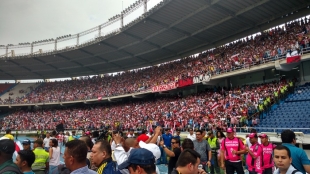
(241, 106)
(227, 94)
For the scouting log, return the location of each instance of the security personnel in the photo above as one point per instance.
(276, 96)
(261, 110)
(215, 146)
(266, 105)
(72, 137)
(291, 87)
(40, 164)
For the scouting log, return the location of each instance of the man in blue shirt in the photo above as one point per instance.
(167, 144)
(299, 157)
(177, 135)
(167, 138)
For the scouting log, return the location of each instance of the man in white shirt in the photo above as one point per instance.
(191, 135)
(46, 142)
(121, 153)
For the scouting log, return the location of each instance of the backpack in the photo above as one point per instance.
(11, 169)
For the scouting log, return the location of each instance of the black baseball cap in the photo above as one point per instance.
(26, 142)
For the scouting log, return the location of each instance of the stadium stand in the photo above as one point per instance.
(268, 46)
(293, 113)
(211, 109)
(5, 87)
(17, 92)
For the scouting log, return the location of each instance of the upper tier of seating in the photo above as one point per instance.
(5, 87)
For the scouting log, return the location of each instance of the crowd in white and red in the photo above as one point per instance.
(216, 108)
(240, 54)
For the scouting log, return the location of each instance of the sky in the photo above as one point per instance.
(32, 20)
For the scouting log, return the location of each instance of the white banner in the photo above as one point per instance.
(201, 78)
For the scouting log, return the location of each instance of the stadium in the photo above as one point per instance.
(201, 64)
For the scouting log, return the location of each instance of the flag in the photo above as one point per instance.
(293, 59)
(18, 147)
(173, 129)
(214, 106)
(235, 57)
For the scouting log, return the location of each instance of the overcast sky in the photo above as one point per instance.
(32, 20)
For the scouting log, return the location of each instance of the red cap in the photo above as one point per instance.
(263, 135)
(253, 135)
(230, 130)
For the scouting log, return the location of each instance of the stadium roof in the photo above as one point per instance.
(171, 30)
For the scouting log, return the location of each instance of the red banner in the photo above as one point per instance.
(293, 59)
(185, 82)
(165, 87)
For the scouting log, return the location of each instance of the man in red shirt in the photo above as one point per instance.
(143, 137)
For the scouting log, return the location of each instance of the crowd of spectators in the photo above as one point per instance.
(268, 45)
(211, 109)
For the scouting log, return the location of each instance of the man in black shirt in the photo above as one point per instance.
(173, 154)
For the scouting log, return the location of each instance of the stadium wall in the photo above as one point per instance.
(305, 71)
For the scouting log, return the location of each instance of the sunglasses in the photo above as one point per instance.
(173, 142)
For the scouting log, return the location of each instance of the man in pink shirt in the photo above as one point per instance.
(231, 149)
(267, 154)
(254, 158)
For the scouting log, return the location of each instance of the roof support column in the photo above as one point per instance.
(31, 49)
(122, 20)
(6, 51)
(99, 31)
(77, 39)
(145, 6)
(55, 47)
